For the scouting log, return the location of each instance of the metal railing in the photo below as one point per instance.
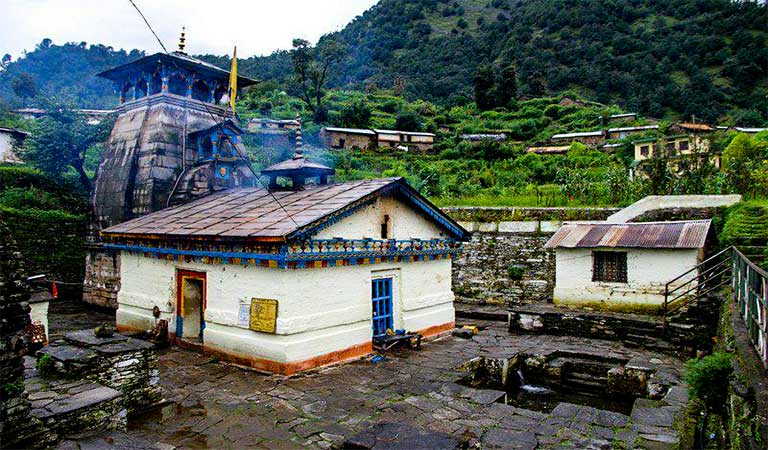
(750, 292)
(706, 277)
(748, 283)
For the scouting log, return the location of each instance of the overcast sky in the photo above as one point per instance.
(257, 27)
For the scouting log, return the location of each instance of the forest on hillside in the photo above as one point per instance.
(703, 58)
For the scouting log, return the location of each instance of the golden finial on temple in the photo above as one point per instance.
(182, 39)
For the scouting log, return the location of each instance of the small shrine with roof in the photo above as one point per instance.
(300, 275)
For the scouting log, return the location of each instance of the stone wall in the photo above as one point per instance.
(505, 263)
(125, 364)
(14, 316)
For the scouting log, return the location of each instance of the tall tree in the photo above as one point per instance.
(506, 87)
(61, 139)
(311, 67)
(24, 86)
(483, 83)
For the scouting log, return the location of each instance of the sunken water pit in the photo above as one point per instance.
(541, 382)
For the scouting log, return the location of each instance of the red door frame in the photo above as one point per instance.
(182, 275)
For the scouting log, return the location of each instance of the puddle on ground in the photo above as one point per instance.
(538, 398)
(540, 384)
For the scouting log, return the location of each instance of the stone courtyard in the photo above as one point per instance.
(410, 399)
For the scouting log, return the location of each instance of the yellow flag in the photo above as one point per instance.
(233, 81)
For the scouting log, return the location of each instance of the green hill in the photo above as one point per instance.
(707, 58)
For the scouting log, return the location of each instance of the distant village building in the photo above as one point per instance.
(292, 284)
(752, 131)
(683, 141)
(408, 139)
(11, 141)
(498, 137)
(591, 138)
(92, 116)
(174, 139)
(620, 265)
(348, 138)
(623, 132)
(263, 124)
(622, 117)
(273, 133)
(363, 139)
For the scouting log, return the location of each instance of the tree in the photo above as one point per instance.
(311, 67)
(506, 88)
(62, 139)
(483, 83)
(356, 115)
(408, 121)
(24, 86)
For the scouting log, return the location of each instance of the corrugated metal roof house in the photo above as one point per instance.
(625, 265)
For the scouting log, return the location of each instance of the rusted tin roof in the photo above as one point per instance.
(689, 234)
(257, 215)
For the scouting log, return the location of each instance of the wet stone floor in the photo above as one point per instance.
(410, 400)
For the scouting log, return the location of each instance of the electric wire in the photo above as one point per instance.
(213, 116)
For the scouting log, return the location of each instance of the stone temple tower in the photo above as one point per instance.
(174, 139)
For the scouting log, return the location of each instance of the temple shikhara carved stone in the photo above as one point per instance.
(174, 139)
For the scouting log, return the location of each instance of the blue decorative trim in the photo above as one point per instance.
(330, 253)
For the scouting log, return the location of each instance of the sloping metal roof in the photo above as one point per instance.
(175, 58)
(349, 130)
(297, 163)
(579, 134)
(637, 128)
(690, 234)
(257, 215)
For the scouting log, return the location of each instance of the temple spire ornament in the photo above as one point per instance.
(182, 40)
(299, 142)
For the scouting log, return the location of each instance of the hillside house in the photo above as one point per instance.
(623, 132)
(625, 265)
(291, 285)
(409, 139)
(92, 116)
(592, 138)
(751, 131)
(263, 124)
(11, 141)
(627, 117)
(348, 138)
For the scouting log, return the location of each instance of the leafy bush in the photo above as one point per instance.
(46, 366)
(515, 273)
(708, 378)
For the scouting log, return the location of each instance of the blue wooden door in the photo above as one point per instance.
(381, 297)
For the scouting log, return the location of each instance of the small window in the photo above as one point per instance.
(683, 145)
(385, 228)
(670, 147)
(644, 150)
(609, 266)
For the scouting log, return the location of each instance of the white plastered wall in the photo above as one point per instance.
(320, 311)
(648, 270)
(404, 223)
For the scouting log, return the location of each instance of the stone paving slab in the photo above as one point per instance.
(411, 392)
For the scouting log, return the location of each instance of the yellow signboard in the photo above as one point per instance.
(263, 315)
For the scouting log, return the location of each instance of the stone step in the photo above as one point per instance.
(492, 314)
(585, 377)
(584, 385)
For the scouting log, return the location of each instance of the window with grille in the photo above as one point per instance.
(644, 150)
(609, 266)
